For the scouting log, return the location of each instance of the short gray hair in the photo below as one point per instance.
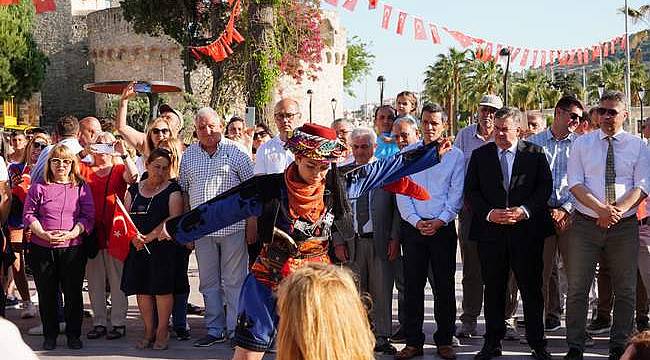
(363, 131)
(509, 112)
(614, 95)
(207, 112)
(341, 120)
(409, 119)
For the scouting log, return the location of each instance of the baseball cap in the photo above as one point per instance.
(493, 101)
(166, 108)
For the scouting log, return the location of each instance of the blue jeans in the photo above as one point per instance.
(179, 312)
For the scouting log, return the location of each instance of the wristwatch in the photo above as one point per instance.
(124, 157)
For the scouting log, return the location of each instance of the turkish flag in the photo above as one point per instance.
(542, 63)
(464, 40)
(487, 52)
(435, 37)
(497, 53)
(579, 56)
(401, 21)
(535, 52)
(612, 46)
(524, 58)
(332, 2)
(122, 232)
(406, 186)
(418, 27)
(515, 53)
(623, 42)
(385, 20)
(595, 52)
(44, 6)
(585, 56)
(551, 57)
(605, 50)
(372, 4)
(9, 2)
(571, 57)
(350, 5)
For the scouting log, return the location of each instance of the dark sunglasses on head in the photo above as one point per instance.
(572, 115)
(260, 134)
(157, 131)
(605, 111)
(39, 145)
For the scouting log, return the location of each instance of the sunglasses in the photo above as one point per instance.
(57, 161)
(605, 111)
(39, 145)
(157, 131)
(572, 115)
(260, 134)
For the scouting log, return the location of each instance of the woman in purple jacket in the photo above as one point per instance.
(58, 211)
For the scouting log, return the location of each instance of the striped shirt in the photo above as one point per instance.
(557, 154)
(203, 177)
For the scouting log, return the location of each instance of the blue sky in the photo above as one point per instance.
(557, 24)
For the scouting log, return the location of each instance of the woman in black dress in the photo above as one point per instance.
(152, 270)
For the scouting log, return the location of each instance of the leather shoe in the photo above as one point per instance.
(573, 354)
(409, 352)
(541, 354)
(615, 353)
(488, 352)
(49, 344)
(446, 352)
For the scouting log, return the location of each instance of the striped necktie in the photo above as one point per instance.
(610, 173)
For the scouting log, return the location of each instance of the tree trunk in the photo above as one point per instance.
(217, 75)
(261, 45)
(187, 65)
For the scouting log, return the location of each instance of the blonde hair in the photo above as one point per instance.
(174, 145)
(63, 152)
(27, 156)
(148, 144)
(322, 316)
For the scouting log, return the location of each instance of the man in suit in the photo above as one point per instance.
(376, 246)
(428, 235)
(507, 185)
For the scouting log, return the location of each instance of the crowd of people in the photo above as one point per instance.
(552, 213)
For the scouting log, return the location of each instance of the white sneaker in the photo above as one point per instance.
(38, 330)
(29, 310)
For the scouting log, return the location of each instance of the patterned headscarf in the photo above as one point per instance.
(316, 142)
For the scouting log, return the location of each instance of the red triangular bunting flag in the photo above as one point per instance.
(435, 37)
(44, 6)
(418, 27)
(462, 39)
(401, 21)
(542, 62)
(579, 56)
(572, 54)
(605, 50)
(595, 52)
(9, 2)
(535, 52)
(372, 4)
(408, 187)
(515, 53)
(562, 58)
(585, 56)
(350, 5)
(385, 20)
(237, 36)
(623, 42)
(487, 52)
(332, 2)
(524, 58)
(122, 232)
(612, 48)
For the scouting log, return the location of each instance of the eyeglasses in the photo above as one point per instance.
(605, 111)
(39, 145)
(157, 131)
(572, 115)
(282, 116)
(487, 109)
(260, 134)
(57, 161)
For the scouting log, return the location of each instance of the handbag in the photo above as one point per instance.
(90, 241)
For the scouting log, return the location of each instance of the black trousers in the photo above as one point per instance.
(525, 258)
(420, 252)
(56, 269)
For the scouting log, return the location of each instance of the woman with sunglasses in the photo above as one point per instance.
(151, 268)
(19, 181)
(108, 179)
(261, 135)
(58, 211)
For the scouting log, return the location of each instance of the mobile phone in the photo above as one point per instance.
(250, 117)
(142, 87)
(103, 148)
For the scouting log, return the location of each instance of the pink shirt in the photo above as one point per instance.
(59, 207)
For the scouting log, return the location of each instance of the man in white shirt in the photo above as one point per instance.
(428, 236)
(272, 157)
(608, 175)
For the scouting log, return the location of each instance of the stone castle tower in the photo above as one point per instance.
(89, 40)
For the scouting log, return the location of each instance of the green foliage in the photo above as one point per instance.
(359, 63)
(137, 112)
(268, 76)
(22, 65)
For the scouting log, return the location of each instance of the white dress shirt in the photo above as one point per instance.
(587, 166)
(444, 183)
(510, 157)
(272, 158)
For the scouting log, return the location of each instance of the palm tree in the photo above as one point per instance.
(636, 15)
(611, 75)
(527, 92)
(483, 77)
(443, 82)
(638, 79)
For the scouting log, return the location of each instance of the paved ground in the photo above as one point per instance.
(124, 348)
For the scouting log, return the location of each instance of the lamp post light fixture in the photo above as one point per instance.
(381, 80)
(311, 94)
(505, 52)
(601, 90)
(333, 103)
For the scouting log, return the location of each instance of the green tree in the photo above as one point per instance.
(611, 75)
(443, 82)
(483, 77)
(22, 65)
(358, 65)
(528, 91)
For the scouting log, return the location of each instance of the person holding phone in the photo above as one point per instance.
(108, 180)
(237, 131)
(58, 211)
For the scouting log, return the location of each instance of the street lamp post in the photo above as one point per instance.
(381, 80)
(505, 52)
(311, 94)
(333, 103)
(641, 93)
(601, 90)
